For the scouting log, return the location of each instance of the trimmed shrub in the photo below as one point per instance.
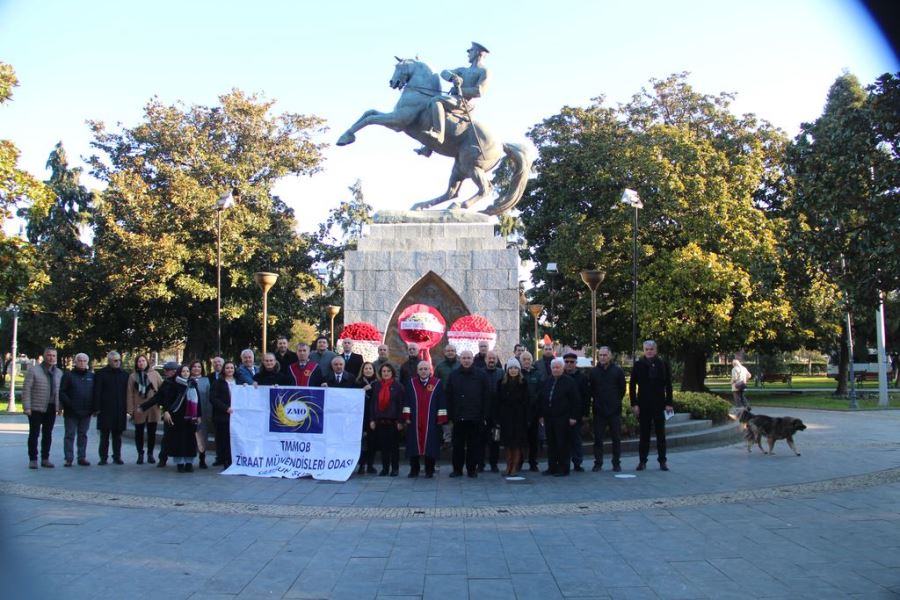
(702, 405)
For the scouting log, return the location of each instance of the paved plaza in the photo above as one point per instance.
(721, 524)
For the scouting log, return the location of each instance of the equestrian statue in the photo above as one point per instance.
(443, 123)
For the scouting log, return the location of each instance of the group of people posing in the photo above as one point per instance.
(472, 401)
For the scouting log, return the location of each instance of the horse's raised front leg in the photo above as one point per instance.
(348, 137)
(393, 120)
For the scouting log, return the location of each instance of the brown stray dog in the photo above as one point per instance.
(772, 428)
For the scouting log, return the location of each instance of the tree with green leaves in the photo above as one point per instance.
(845, 207)
(63, 313)
(155, 224)
(20, 273)
(710, 268)
(339, 233)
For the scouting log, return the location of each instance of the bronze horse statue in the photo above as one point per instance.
(474, 150)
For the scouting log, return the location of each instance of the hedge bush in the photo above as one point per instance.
(702, 405)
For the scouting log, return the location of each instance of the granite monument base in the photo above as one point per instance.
(460, 268)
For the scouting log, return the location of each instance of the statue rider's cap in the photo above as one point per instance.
(478, 47)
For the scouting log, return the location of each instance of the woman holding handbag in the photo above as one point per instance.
(143, 384)
(181, 404)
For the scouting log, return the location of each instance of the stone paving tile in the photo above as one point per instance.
(833, 540)
(442, 587)
(491, 589)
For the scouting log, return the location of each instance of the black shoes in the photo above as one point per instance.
(473, 474)
(180, 468)
(152, 460)
(533, 468)
(118, 461)
(189, 468)
(578, 468)
(596, 467)
(617, 468)
(663, 466)
(383, 473)
(456, 474)
(84, 462)
(429, 474)
(549, 472)
(140, 459)
(394, 472)
(103, 462)
(495, 469)
(641, 466)
(371, 470)
(413, 474)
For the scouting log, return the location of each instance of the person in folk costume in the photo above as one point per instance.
(424, 410)
(306, 373)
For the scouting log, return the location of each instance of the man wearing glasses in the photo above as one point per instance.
(110, 406)
(584, 407)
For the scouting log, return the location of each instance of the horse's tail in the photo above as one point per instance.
(521, 167)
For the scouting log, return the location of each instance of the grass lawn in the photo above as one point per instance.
(825, 401)
(798, 381)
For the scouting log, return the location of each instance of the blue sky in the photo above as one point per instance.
(103, 60)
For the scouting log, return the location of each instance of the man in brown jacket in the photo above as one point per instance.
(40, 399)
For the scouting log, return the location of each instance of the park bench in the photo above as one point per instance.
(787, 378)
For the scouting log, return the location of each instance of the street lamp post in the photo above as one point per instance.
(14, 311)
(631, 198)
(592, 279)
(265, 281)
(332, 313)
(535, 310)
(226, 201)
(552, 271)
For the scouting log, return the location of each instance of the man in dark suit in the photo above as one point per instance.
(559, 408)
(543, 365)
(607, 390)
(339, 377)
(410, 368)
(584, 391)
(283, 354)
(352, 362)
(650, 391)
(215, 374)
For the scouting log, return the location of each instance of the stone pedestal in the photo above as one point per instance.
(459, 268)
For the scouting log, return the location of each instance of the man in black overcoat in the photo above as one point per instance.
(650, 391)
(559, 407)
(607, 382)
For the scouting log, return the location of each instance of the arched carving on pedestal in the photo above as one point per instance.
(431, 289)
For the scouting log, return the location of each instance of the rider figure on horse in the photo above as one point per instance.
(468, 83)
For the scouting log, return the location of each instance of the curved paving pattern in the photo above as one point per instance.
(352, 512)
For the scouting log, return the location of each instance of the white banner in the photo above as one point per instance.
(295, 431)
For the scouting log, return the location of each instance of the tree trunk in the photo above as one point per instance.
(201, 340)
(694, 379)
(843, 364)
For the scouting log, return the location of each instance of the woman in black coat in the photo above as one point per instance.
(181, 404)
(385, 411)
(367, 378)
(220, 399)
(512, 412)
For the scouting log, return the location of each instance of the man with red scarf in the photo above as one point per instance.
(425, 411)
(305, 372)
